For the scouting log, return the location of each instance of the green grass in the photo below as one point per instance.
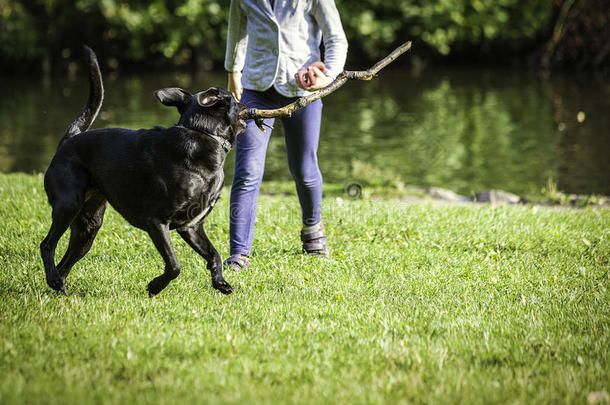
(420, 303)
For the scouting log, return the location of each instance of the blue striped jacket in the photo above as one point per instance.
(269, 45)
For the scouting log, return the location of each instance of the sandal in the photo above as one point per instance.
(314, 243)
(237, 263)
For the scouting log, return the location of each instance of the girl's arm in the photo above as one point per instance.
(335, 43)
(237, 41)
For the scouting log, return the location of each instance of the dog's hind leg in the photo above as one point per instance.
(199, 241)
(83, 230)
(63, 214)
(65, 186)
(159, 233)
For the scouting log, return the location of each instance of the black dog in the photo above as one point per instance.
(158, 179)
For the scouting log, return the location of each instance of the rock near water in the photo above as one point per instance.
(497, 197)
(445, 195)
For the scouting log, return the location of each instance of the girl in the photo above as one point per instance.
(273, 57)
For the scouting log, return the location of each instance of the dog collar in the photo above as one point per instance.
(226, 145)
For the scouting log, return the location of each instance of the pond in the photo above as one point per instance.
(465, 129)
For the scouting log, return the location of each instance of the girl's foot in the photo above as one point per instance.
(237, 263)
(314, 240)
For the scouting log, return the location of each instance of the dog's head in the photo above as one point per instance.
(214, 110)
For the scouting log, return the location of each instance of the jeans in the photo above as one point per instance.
(302, 133)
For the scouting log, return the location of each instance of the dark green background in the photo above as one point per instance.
(44, 34)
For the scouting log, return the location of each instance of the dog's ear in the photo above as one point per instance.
(208, 98)
(174, 96)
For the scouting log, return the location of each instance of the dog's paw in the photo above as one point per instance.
(154, 288)
(222, 286)
(57, 283)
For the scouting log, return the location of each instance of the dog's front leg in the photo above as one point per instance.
(159, 233)
(199, 241)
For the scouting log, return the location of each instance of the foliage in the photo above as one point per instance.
(420, 303)
(194, 31)
(18, 36)
(445, 25)
(159, 32)
(581, 34)
(177, 31)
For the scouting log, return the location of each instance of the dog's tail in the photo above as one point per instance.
(96, 96)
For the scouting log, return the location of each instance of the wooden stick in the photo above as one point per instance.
(343, 77)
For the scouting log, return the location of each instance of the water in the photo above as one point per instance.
(465, 129)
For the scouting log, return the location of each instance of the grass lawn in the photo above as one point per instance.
(420, 303)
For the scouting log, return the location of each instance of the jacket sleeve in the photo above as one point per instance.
(237, 38)
(335, 43)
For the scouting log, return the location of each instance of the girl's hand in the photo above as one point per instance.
(313, 77)
(234, 85)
